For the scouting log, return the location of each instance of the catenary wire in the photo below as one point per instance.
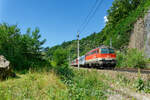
(90, 17)
(87, 17)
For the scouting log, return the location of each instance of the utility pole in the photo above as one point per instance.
(69, 58)
(78, 49)
(111, 42)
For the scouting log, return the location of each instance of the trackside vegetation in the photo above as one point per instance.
(121, 17)
(43, 73)
(25, 50)
(46, 85)
(131, 58)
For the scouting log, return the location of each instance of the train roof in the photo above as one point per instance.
(102, 46)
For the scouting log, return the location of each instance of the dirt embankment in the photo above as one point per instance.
(125, 91)
(122, 83)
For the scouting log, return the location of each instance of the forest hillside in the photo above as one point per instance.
(122, 16)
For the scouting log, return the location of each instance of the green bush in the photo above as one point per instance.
(87, 85)
(140, 84)
(65, 72)
(120, 59)
(22, 50)
(132, 58)
(147, 87)
(122, 79)
(60, 57)
(60, 66)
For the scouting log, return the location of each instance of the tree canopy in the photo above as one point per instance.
(22, 50)
(121, 17)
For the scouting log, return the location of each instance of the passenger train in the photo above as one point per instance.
(101, 57)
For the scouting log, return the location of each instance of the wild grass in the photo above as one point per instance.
(132, 58)
(87, 85)
(33, 86)
(47, 85)
(139, 84)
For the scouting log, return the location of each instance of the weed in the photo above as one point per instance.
(64, 72)
(45, 85)
(122, 79)
(139, 84)
(87, 86)
(132, 58)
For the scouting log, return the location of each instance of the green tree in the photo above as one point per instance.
(60, 57)
(22, 50)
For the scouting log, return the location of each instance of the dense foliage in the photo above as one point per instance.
(25, 50)
(22, 50)
(132, 58)
(121, 17)
(86, 85)
(60, 64)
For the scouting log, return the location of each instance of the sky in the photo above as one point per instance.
(58, 20)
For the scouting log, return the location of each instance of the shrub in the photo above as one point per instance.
(135, 58)
(120, 59)
(123, 79)
(140, 84)
(60, 57)
(59, 64)
(132, 58)
(147, 87)
(65, 72)
(87, 85)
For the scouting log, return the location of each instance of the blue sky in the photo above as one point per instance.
(58, 20)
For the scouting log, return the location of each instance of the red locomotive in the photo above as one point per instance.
(100, 57)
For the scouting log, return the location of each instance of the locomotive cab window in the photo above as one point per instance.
(107, 51)
(111, 51)
(104, 51)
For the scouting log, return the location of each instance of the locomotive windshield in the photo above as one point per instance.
(111, 51)
(106, 51)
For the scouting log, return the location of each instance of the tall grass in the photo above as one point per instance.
(47, 85)
(131, 58)
(33, 86)
(87, 85)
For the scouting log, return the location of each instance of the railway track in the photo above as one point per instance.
(131, 70)
(119, 91)
(123, 92)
